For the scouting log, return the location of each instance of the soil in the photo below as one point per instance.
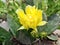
(45, 42)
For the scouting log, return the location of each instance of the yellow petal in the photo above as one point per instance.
(22, 17)
(39, 14)
(20, 13)
(42, 23)
(22, 27)
(33, 11)
(31, 18)
(28, 9)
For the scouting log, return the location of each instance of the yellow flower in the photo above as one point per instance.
(31, 17)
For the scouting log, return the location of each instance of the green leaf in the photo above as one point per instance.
(24, 37)
(53, 37)
(3, 10)
(29, 2)
(44, 4)
(9, 42)
(12, 18)
(53, 7)
(13, 24)
(2, 4)
(52, 25)
(36, 2)
(44, 17)
(4, 35)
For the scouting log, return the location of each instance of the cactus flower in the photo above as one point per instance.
(31, 17)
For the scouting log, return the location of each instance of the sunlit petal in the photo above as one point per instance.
(42, 23)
